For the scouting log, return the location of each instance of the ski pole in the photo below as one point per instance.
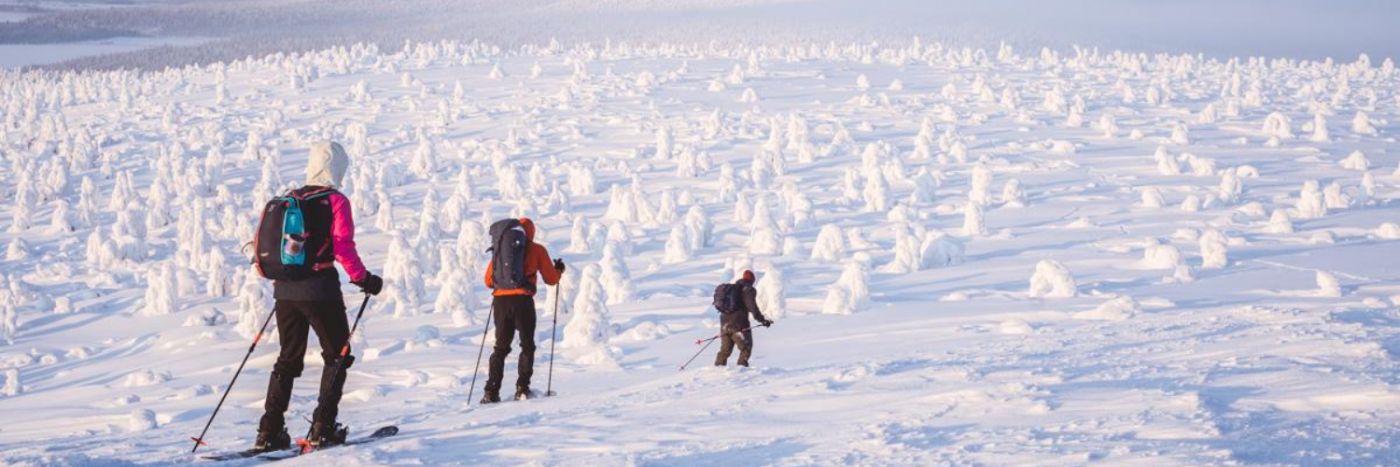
(697, 354)
(549, 382)
(479, 351)
(344, 350)
(717, 336)
(199, 441)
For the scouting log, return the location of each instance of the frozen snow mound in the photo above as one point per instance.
(1052, 280)
(1117, 309)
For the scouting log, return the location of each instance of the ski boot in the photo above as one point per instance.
(492, 396)
(323, 435)
(269, 441)
(523, 393)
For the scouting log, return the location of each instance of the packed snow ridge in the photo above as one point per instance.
(973, 256)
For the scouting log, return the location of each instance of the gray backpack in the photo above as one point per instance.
(508, 245)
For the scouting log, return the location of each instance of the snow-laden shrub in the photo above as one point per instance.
(850, 293)
(457, 297)
(384, 220)
(614, 276)
(830, 244)
(1328, 285)
(698, 227)
(141, 420)
(578, 237)
(582, 182)
(588, 331)
(940, 250)
(1389, 231)
(677, 246)
(665, 144)
(1052, 280)
(877, 192)
(980, 185)
(1279, 223)
(1181, 135)
(17, 250)
(1214, 249)
(13, 385)
(1231, 188)
(1320, 133)
(1158, 255)
(1012, 196)
(1310, 204)
(254, 301)
(472, 243)
(218, 282)
(1356, 161)
(619, 238)
(1361, 124)
(1166, 164)
(1200, 166)
(9, 317)
(765, 241)
(403, 278)
(925, 187)
(974, 224)
(161, 287)
(1152, 197)
(1277, 127)
(61, 221)
(772, 292)
(1334, 198)
(906, 254)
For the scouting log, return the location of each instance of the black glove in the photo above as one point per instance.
(371, 284)
(559, 265)
(766, 322)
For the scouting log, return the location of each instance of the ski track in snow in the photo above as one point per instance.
(950, 364)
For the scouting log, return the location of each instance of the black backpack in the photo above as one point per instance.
(294, 235)
(508, 245)
(729, 298)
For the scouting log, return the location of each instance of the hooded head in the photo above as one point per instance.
(748, 277)
(529, 226)
(327, 164)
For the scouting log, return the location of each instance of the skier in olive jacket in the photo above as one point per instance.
(734, 329)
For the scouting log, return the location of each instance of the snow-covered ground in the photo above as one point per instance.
(987, 256)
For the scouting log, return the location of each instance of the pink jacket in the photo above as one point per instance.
(343, 238)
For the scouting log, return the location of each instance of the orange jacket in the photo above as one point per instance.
(536, 261)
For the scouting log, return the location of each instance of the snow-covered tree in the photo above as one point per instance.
(161, 287)
(974, 225)
(772, 292)
(677, 246)
(403, 278)
(614, 276)
(1214, 249)
(588, 331)
(850, 293)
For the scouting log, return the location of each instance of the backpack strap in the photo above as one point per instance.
(314, 193)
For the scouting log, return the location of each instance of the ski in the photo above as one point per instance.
(381, 433)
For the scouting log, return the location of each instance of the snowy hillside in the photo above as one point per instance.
(973, 256)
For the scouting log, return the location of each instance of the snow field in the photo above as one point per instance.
(1196, 278)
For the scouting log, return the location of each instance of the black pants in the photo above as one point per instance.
(512, 313)
(294, 319)
(727, 341)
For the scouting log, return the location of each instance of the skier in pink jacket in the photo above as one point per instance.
(315, 303)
